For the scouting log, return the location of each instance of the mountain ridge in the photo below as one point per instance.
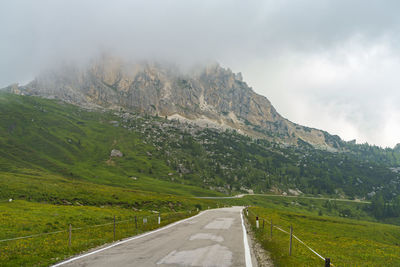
(211, 96)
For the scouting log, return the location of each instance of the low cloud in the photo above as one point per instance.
(325, 64)
(350, 90)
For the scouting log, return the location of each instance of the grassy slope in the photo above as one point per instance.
(347, 242)
(22, 218)
(63, 139)
(57, 157)
(40, 137)
(353, 210)
(345, 232)
(47, 188)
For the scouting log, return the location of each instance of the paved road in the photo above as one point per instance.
(212, 238)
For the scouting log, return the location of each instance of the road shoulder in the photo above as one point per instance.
(259, 256)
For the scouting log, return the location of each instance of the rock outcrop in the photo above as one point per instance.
(116, 153)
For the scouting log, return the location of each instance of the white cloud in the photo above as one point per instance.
(327, 64)
(349, 90)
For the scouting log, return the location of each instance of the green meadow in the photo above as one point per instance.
(347, 242)
(56, 167)
(52, 203)
(91, 227)
(51, 139)
(309, 205)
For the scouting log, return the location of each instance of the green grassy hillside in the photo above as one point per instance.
(346, 242)
(55, 158)
(345, 231)
(50, 140)
(167, 156)
(49, 224)
(55, 164)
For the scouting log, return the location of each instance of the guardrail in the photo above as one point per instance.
(327, 261)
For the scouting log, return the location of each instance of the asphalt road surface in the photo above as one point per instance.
(212, 238)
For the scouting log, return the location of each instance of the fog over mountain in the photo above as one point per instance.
(331, 65)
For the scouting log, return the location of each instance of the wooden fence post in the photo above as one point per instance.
(263, 224)
(114, 227)
(135, 221)
(327, 262)
(271, 228)
(290, 244)
(70, 235)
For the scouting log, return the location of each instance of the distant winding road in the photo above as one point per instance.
(266, 195)
(212, 238)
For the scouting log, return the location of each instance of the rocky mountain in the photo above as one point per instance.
(210, 96)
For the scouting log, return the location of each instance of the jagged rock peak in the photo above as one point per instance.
(209, 95)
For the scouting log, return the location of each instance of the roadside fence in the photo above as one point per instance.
(143, 222)
(257, 220)
(75, 239)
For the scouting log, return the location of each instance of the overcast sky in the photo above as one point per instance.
(332, 65)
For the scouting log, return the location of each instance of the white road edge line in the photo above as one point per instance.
(247, 255)
(129, 239)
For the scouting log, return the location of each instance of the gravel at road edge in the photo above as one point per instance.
(263, 257)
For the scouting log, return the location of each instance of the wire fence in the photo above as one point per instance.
(49, 247)
(269, 221)
(79, 228)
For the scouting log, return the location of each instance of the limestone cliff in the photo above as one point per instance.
(211, 96)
